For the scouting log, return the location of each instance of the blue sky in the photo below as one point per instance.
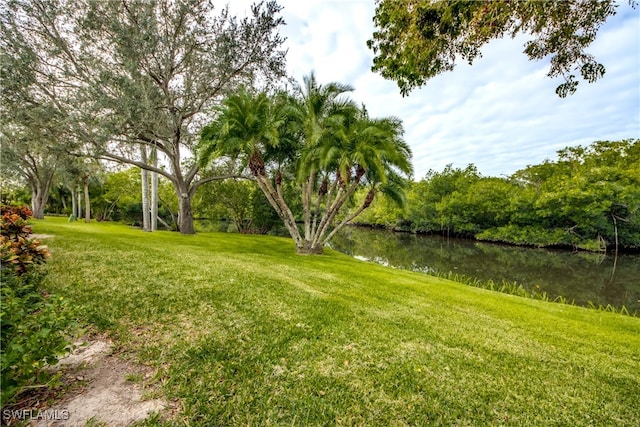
(501, 113)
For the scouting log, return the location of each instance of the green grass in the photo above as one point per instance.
(242, 331)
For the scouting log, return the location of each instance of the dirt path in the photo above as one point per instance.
(110, 394)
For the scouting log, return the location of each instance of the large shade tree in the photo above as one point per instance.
(415, 41)
(146, 72)
(34, 122)
(319, 140)
(31, 134)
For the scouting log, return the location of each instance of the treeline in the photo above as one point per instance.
(589, 198)
(235, 205)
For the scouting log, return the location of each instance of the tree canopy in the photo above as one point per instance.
(33, 129)
(589, 199)
(141, 75)
(416, 41)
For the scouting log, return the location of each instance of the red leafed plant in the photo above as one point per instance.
(17, 251)
(35, 324)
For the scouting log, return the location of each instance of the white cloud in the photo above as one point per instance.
(501, 113)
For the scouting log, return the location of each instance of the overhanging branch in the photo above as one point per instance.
(115, 158)
(198, 183)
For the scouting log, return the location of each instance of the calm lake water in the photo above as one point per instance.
(582, 277)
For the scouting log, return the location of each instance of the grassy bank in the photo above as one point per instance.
(244, 332)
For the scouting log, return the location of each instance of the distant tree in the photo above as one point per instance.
(90, 169)
(121, 193)
(594, 193)
(68, 176)
(417, 40)
(589, 198)
(145, 72)
(264, 218)
(26, 136)
(321, 142)
(485, 204)
(228, 200)
(37, 167)
(383, 212)
(436, 202)
(120, 199)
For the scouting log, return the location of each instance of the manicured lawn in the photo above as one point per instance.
(244, 332)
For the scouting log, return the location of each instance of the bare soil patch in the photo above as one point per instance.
(100, 389)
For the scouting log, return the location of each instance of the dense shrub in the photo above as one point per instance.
(14, 221)
(34, 324)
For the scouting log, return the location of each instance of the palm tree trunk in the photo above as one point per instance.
(307, 197)
(347, 220)
(87, 200)
(154, 191)
(74, 202)
(79, 204)
(331, 212)
(145, 190)
(282, 209)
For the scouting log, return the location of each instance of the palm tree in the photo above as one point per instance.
(323, 111)
(364, 152)
(319, 139)
(256, 129)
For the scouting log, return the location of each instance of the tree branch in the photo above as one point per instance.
(115, 158)
(198, 183)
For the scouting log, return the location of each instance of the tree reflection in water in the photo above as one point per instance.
(581, 277)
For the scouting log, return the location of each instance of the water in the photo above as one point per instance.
(580, 277)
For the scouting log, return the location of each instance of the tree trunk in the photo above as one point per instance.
(38, 201)
(615, 259)
(282, 209)
(87, 200)
(154, 191)
(185, 215)
(40, 194)
(347, 220)
(74, 202)
(309, 248)
(145, 191)
(79, 195)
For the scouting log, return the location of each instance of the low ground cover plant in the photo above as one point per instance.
(34, 323)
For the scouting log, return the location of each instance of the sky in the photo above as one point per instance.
(501, 113)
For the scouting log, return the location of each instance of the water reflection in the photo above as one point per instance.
(582, 277)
